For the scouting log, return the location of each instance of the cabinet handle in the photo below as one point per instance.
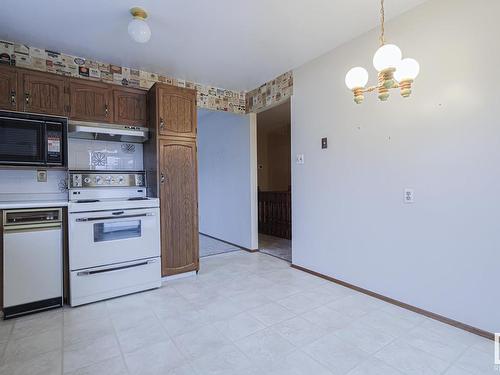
(162, 178)
(13, 97)
(106, 109)
(27, 98)
(162, 124)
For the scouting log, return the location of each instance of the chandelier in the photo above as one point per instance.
(393, 71)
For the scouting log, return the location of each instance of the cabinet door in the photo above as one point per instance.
(178, 206)
(176, 111)
(43, 93)
(8, 88)
(90, 101)
(130, 107)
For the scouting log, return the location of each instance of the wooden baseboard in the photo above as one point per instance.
(417, 310)
(251, 250)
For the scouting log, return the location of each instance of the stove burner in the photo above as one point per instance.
(87, 200)
(138, 199)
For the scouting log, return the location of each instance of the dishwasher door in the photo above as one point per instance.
(32, 267)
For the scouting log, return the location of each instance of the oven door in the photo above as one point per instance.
(22, 141)
(108, 237)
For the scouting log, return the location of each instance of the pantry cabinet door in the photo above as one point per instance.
(176, 111)
(178, 206)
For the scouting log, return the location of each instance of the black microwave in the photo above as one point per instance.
(32, 140)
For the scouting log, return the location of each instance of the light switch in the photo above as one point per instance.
(409, 196)
(324, 143)
(300, 158)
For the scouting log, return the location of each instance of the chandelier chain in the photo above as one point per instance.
(382, 22)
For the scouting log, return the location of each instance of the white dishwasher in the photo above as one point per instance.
(32, 260)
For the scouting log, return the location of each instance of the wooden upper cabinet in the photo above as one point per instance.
(42, 93)
(178, 206)
(90, 101)
(130, 106)
(9, 94)
(176, 111)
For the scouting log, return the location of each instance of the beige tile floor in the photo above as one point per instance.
(245, 314)
(212, 246)
(275, 246)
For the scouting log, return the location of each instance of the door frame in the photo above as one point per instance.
(254, 199)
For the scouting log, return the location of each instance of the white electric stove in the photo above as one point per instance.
(114, 236)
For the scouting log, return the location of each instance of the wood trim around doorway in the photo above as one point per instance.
(403, 305)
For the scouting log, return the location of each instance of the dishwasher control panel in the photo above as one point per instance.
(32, 216)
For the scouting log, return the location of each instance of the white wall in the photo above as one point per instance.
(227, 177)
(441, 253)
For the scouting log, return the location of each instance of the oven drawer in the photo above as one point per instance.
(108, 237)
(98, 283)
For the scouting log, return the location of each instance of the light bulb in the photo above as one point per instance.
(356, 77)
(139, 30)
(407, 69)
(387, 56)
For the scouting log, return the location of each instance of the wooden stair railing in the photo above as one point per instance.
(275, 213)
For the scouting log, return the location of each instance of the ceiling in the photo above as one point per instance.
(233, 44)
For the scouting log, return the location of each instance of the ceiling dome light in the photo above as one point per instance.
(387, 56)
(356, 77)
(407, 69)
(138, 28)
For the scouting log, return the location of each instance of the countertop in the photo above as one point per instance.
(4, 205)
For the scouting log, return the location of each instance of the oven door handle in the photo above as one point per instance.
(115, 269)
(100, 218)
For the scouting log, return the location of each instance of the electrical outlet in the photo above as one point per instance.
(409, 196)
(300, 159)
(41, 175)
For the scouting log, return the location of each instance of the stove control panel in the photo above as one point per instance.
(106, 179)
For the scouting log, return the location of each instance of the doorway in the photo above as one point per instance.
(274, 181)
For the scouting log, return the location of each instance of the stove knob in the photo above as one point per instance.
(86, 180)
(121, 180)
(138, 180)
(109, 180)
(98, 180)
(77, 180)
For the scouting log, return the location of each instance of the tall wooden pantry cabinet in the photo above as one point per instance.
(170, 158)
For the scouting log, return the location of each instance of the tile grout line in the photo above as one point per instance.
(115, 332)
(62, 342)
(171, 338)
(4, 350)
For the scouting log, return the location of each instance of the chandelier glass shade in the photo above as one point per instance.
(393, 71)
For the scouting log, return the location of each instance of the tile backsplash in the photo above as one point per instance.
(22, 185)
(101, 155)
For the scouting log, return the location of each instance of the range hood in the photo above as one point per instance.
(107, 132)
